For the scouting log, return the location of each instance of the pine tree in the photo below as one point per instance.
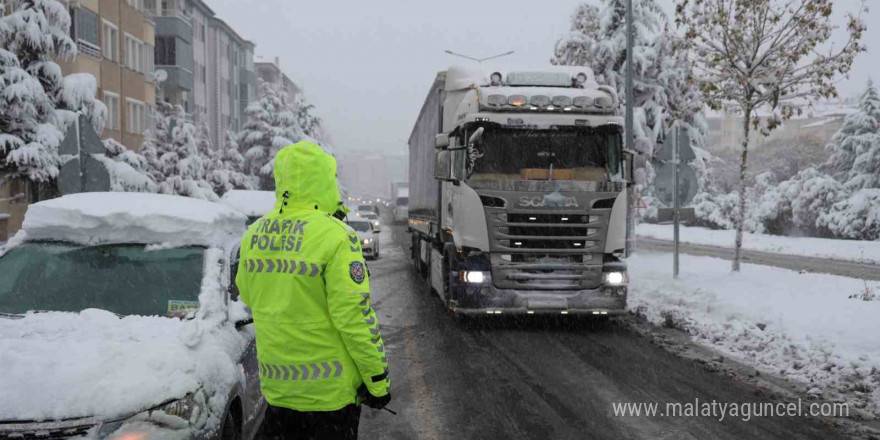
(173, 156)
(30, 81)
(271, 125)
(859, 131)
(128, 169)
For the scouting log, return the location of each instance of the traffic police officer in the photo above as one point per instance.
(302, 274)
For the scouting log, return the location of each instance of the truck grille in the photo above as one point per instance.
(68, 429)
(540, 250)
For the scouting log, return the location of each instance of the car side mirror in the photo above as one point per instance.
(375, 231)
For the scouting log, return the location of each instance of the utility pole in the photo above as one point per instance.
(628, 129)
(676, 200)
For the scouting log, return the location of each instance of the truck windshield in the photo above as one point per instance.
(587, 154)
(124, 279)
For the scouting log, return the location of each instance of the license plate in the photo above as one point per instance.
(548, 303)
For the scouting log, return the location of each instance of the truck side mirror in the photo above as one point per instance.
(478, 134)
(441, 140)
(636, 165)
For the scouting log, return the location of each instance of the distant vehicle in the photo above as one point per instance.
(253, 204)
(368, 235)
(519, 192)
(400, 202)
(373, 219)
(121, 313)
(372, 208)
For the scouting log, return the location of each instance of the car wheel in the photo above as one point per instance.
(230, 428)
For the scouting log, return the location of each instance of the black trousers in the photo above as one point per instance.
(287, 424)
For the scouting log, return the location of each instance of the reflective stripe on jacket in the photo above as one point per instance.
(303, 275)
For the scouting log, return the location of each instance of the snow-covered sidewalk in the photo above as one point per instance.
(851, 250)
(802, 326)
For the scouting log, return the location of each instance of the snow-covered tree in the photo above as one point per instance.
(77, 95)
(856, 217)
(760, 54)
(225, 168)
(860, 133)
(795, 205)
(35, 33)
(128, 169)
(597, 39)
(271, 125)
(173, 156)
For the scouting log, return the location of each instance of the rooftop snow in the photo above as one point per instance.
(250, 203)
(113, 217)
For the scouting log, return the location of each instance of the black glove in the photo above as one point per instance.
(373, 401)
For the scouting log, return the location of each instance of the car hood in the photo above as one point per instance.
(94, 364)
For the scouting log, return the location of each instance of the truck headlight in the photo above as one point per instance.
(472, 276)
(617, 278)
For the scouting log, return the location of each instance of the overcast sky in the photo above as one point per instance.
(367, 65)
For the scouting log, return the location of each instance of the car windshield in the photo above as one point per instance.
(365, 207)
(360, 226)
(124, 279)
(370, 216)
(587, 154)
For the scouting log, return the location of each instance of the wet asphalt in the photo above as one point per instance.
(539, 379)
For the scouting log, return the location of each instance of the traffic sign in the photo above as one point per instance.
(663, 183)
(685, 151)
(81, 172)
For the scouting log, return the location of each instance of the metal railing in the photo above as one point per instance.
(92, 50)
(172, 13)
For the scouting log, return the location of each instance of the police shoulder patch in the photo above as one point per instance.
(357, 271)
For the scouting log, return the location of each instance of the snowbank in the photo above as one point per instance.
(249, 203)
(802, 326)
(67, 365)
(853, 250)
(132, 218)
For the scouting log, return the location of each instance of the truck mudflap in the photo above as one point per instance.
(487, 299)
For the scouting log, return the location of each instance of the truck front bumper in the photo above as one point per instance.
(488, 299)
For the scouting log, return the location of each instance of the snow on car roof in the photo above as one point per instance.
(115, 217)
(250, 203)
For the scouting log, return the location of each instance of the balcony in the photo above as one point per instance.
(178, 77)
(85, 48)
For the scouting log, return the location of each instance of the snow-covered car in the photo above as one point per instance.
(118, 321)
(368, 235)
(253, 204)
(373, 218)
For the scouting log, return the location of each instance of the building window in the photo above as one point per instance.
(166, 53)
(147, 51)
(134, 58)
(111, 41)
(111, 100)
(135, 4)
(136, 116)
(85, 30)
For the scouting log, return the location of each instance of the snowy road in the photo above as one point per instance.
(845, 268)
(544, 380)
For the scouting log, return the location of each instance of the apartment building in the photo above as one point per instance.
(270, 72)
(231, 80)
(209, 65)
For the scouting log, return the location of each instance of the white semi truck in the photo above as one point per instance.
(519, 188)
(400, 202)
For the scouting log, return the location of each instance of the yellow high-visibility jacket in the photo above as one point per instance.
(303, 275)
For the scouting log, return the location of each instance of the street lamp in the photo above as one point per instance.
(480, 60)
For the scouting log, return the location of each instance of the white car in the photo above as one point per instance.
(368, 235)
(119, 320)
(253, 204)
(373, 218)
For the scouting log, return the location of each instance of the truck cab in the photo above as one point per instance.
(524, 207)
